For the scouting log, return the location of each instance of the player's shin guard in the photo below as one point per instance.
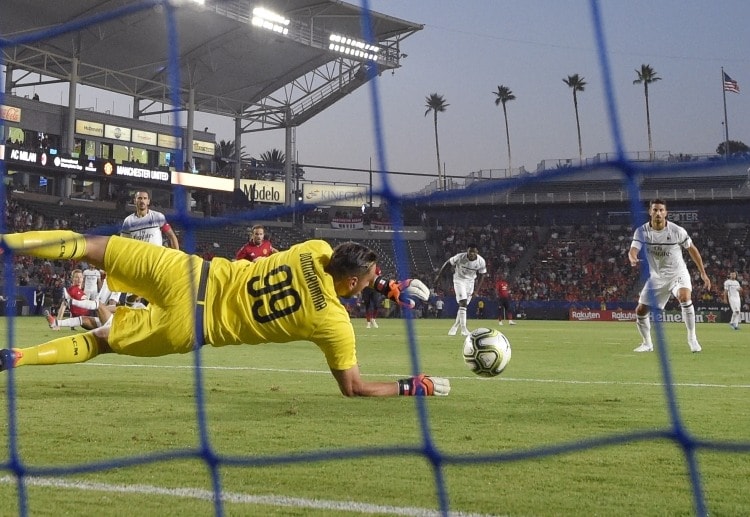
(64, 350)
(688, 316)
(643, 323)
(53, 244)
(462, 317)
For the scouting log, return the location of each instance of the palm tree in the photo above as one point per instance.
(647, 75)
(436, 104)
(504, 95)
(225, 154)
(274, 162)
(577, 84)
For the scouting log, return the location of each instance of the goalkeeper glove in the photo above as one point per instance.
(402, 292)
(424, 386)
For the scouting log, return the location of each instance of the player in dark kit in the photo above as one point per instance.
(503, 298)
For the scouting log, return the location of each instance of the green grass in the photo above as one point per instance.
(567, 382)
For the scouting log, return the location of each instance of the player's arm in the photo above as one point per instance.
(61, 309)
(440, 272)
(351, 384)
(171, 236)
(479, 282)
(633, 256)
(696, 256)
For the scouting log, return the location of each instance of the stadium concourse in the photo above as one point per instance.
(567, 257)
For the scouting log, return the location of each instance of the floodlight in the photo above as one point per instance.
(352, 47)
(270, 20)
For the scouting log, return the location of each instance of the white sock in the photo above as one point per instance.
(462, 317)
(643, 323)
(70, 322)
(688, 316)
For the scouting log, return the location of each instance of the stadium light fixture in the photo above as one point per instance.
(352, 47)
(270, 20)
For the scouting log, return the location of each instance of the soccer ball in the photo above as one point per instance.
(486, 352)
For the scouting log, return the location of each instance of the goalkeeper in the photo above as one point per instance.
(291, 295)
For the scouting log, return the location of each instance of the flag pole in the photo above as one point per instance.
(726, 124)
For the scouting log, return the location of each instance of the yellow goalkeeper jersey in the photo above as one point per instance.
(284, 297)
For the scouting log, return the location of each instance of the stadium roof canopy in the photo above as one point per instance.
(228, 66)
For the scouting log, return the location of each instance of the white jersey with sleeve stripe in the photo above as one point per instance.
(147, 228)
(465, 269)
(663, 249)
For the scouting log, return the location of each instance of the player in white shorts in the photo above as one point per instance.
(92, 282)
(732, 296)
(469, 270)
(662, 243)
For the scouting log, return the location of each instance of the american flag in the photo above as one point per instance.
(730, 85)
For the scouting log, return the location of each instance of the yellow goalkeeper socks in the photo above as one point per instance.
(65, 350)
(52, 244)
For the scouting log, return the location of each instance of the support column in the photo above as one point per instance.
(70, 140)
(237, 152)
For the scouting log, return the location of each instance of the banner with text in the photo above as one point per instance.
(264, 191)
(335, 195)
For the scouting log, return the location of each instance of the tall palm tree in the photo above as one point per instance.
(436, 104)
(504, 95)
(577, 84)
(647, 75)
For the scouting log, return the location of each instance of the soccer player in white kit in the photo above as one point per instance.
(148, 225)
(92, 282)
(732, 292)
(662, 242)
(469, 270)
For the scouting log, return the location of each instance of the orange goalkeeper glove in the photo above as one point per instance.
(402, 292)
(424, 386)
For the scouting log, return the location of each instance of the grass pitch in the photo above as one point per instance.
(292, 445)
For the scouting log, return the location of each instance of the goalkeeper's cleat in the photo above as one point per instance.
(644, 348)
(695, 347)
(51, 320)
(9, 358)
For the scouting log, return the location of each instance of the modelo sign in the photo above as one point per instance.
(335, 195)
(264, 191)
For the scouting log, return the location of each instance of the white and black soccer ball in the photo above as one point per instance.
(486, 352)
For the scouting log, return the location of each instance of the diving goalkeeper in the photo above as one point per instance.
(291, 295)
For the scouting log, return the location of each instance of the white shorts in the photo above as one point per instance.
(659, 290)
(734, 303)
(464, 290)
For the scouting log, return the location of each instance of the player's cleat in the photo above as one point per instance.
(511, 322)
(695, 347)
(452, 331)
(500, 323)
(51, 320)
(369, 324)
(374, 324)
(734, 327)
(644, 348)
(9, 358)
(465, 331)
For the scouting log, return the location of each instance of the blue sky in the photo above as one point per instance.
(469, 48)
